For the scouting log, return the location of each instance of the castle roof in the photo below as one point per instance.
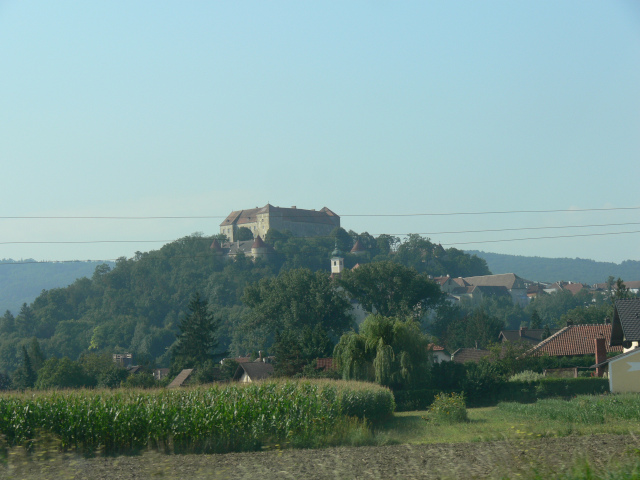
(293, 214)
(258, 243)
(215, 245)
(358, 247)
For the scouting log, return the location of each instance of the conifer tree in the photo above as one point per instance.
(25, 376)
(197, 340)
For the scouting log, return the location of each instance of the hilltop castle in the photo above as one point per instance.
(300, 222)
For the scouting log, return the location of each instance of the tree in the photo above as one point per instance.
(292, 301)
(25, 376)
(62, 373)
(342, 239)
(35, 354)
(475, 330)
(294, 350)
(197, 340)
(388, 350)
(621, 290)
(7, 323)
(244, 233)
(536, 321)
(390, 289)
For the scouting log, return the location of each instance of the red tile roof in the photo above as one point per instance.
(575, 340)
(325, 364)
(463, 355)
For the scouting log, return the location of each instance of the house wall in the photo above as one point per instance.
(624, 373)
(265, 221)
(440, 356)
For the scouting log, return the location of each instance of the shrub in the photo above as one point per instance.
(407, 400)
(448, 408)
(526, 376)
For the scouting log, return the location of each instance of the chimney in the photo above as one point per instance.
(523, 331)
(601, 355)
(293, 206)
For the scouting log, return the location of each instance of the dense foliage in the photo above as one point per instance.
(391, 289)
(388, 350)
(136, 306)
(215, 419)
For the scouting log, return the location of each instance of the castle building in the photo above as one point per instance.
(300, 222)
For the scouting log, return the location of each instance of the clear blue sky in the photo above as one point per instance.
(156, 108)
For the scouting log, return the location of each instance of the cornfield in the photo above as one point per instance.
(214, 419)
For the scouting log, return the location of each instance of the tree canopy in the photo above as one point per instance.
(197, 341)
(391, 289)
(388, 350)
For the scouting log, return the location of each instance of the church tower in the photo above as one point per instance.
(337, 262)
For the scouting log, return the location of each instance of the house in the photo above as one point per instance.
(464, 355)
(624, 372)
(572, 287)
(447, 284)
(575, 340)
(474, 294)
(253, 371)
(160, 373)
(626, 324)
(182, 379)
(516, 286)
(123, 359)
(326, 363)
(439, 353)
(300, 222)
(532, 336)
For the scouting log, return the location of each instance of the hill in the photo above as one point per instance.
(137, 304)
(542, 269)
(21, 281)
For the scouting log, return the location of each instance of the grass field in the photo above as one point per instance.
(590, 437)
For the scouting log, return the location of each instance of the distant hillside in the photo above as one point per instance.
(541, 269)
(22, 282)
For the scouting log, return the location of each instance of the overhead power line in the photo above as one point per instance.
(543, 238)
(302, 215)
(206, 255)
(492, 230)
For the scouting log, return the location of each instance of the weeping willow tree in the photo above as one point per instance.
(388, 350)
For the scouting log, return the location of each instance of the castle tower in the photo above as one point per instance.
(358, 248)
(259, 248)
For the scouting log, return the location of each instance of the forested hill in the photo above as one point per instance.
(541, 269)
(136, 306)
(21, 281)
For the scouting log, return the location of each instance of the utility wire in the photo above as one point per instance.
(303, 215)
(543, 238)
(330, 236)
(448, 244)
